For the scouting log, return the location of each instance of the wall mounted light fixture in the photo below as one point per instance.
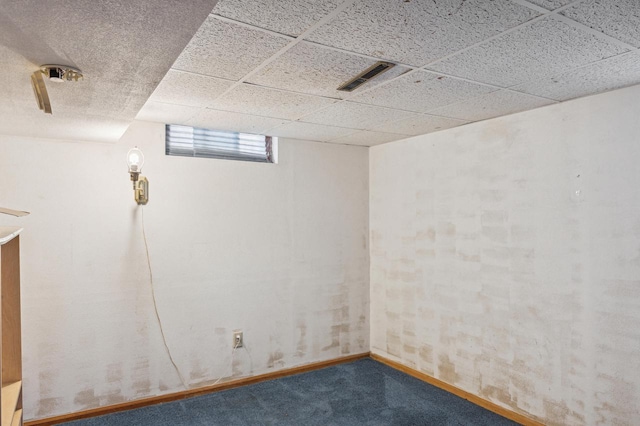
(135, 161)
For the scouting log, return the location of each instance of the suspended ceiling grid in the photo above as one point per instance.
(273, 66)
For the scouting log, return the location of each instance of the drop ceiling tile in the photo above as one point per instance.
(544, 48)
(225, 50)
(491, 105)
(613, 73)
(618, 19)
(355, 116)
(184, 88)
(420, 124)
(550, 4)
(417, 32)
(166, 113)
(233, 121)
(250, 99)
(421, 91)
(309, 68)
(290, 17)
(366, 138)
(309, 131)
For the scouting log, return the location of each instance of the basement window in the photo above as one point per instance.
(189, 141)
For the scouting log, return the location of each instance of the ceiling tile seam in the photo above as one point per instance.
(510, 89)
(462, 122)
(424, 67)
(413, 111)
(352, 95)
(543, 15)
(356, 130)
(577, 25)
(244, 113)
(361, 55)
(466, 80)
(432, 111)
(294, 92)
(340, 143)
(413, 69)
(287, 47)
(532, 6)
(541, 9)
(596, 33)
(202, 75)
(314, 43)
(363, 130)
(513, 88)
(489, 39)
(328, 17)
(200, 109)
(251, 27)
(315, 124)
(567, 6)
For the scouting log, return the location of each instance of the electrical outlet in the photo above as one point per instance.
(237, 339)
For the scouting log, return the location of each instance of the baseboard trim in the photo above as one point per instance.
(488, 405)
(100, 411)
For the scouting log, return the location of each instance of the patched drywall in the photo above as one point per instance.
(278, 251)
(505, 258)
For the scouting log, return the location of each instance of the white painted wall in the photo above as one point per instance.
(279, 251)
(505, 258)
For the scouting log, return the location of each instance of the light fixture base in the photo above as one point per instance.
(61, 73)
(141, 190)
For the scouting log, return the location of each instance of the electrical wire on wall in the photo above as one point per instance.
(155, 305)
(155, 308)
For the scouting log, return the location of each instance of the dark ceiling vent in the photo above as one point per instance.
(366, 75)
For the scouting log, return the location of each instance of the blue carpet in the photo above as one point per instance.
(363, 392)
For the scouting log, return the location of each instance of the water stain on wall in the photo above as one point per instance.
(335, 338)
(426, 358)
(276, 359)
(301, 346)
(141, 380)
(46, 406)
(86, 398)
(394, 343)
(114, 373)
(447, 370)
(198, 372)
(426, 235)
(495, 393)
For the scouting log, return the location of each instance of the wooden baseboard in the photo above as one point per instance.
(511, 415)
(193, 392)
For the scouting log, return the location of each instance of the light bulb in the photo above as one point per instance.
(135, 160)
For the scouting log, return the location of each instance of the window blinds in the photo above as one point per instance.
(196, 142)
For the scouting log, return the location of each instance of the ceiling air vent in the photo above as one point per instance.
(366, 75)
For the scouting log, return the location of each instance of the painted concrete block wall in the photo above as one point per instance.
(505, 258)
(279, 251)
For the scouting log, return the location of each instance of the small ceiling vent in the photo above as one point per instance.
(366, 75)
